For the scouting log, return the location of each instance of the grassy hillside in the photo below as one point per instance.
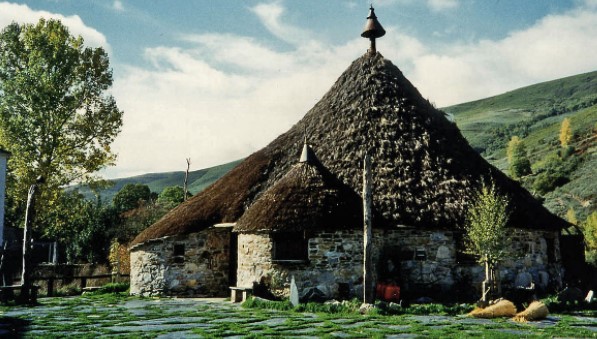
(487, 122)
(198, 180)
(535, 114)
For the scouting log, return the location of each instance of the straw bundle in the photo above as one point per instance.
(503, 308)
(536, 311)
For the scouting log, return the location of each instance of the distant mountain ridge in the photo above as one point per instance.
(198, 180)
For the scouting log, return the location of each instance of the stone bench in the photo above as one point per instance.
(7, 293)
(240, 294)
(90, 289)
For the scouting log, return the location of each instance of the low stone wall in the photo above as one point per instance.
(196, 264)
(68, 278)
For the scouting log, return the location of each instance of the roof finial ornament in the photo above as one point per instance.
(306, 153)
(372, 30)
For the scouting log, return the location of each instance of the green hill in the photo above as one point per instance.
(197, 181)
(535, 113)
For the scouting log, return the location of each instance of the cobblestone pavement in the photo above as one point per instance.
(198, 318)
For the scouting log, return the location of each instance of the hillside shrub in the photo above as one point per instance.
(555, 170)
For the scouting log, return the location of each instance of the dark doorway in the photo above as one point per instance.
(233, 263)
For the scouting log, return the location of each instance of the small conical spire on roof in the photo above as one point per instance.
(307, 155)
(373, 29)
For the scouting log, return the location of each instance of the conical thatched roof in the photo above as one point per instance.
(424, 171)
(308, 197)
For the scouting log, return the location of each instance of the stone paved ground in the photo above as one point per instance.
(198, 318)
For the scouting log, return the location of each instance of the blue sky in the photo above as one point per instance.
(217, 80)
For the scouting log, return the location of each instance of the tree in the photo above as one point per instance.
(56, 116)
(172, 196)
(131, 196)
(518, 158)
(571, 216)
(486, 235)
(82, 226)
(589, 229)
(565, 133)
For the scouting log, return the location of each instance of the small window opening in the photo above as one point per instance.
(179, 252)
(290, 246)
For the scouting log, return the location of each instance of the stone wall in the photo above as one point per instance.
(422, 262)
(196, 264)
(334, 257)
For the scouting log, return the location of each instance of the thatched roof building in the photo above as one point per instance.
(424, 171)
(308, 197)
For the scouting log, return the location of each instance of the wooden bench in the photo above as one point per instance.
(7, 293)
(240, 294)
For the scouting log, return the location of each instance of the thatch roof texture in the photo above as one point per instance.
(424, 171)
(307, 198)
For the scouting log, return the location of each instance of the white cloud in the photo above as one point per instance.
(554, 47)
(228, 95)
(118, 6)
(188, 106)
(271, 14)
(10, 12)
(440, 5)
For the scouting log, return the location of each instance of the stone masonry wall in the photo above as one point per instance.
(421, 261)
(334, 257)
(189, 265)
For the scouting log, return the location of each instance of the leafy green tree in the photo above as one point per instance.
(486, 235)
(565, 133)
(81, 225)
(571, 216)
(136, 220)
(172, 196)
(589, 229)
(131, 196)
(518, 158)
(56, 115)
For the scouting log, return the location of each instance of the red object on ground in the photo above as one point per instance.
(391, 293)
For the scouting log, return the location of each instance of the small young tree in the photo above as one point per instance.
(486, 235)
(565, 133)
(589, 229)
(571, 216)
(518, 158)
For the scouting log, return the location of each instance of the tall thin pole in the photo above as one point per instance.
(186, 179)
(367, 234)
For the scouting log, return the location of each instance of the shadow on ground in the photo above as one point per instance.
(13, 327)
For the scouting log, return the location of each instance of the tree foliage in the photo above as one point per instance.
(172, 196)
(131, 196)
(518, 159)
(82, 226)
(555, 170)
(565, 133)
(56, 116)
(486, 234)
(589, 229)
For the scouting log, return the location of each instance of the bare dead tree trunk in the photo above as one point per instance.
(186, 178)
(367, 234)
